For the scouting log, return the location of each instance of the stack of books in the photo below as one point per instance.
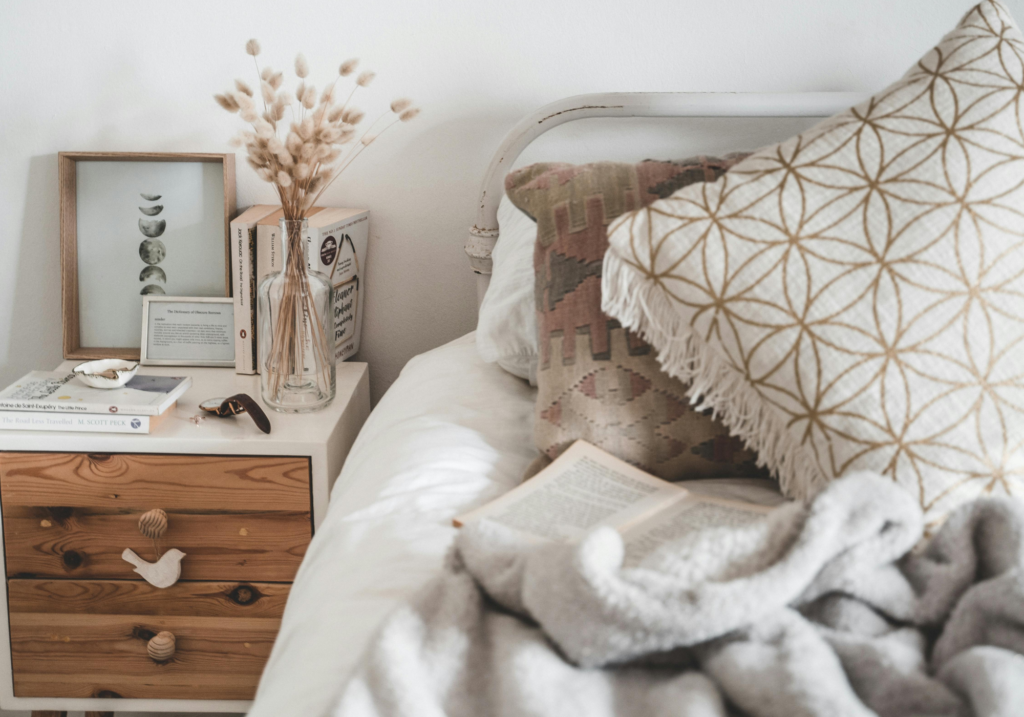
(58, 401)
(336, 242)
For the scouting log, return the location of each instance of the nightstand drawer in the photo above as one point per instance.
(72, 515)
(184, 482)
(89, 638)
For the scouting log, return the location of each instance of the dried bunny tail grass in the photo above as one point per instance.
(409, 114)
(249, 114)
(327, 96)
(314, 184)
(335, 114)
(301, 171)
(401, 105)
(276, 80)
(309, 97)
(243, 100)
(352, 116)
(268, 92)
(243, 88)
(348, 67)
(365, 78)
(293, 142)
(252, 47)
(227, 102)
(265, 174)
(283, 179)
(367, 139)
(301, 66)
(306, 128)
(236, 141)
(267, 73)
(300, 89)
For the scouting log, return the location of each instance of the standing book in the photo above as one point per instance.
(586, 487)
(58, 392)
(243, 259)
(336, 242)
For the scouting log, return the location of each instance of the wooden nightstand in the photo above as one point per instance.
(241, 505)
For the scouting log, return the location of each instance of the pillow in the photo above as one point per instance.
(853, 298)
(595, 380)
(506, 330)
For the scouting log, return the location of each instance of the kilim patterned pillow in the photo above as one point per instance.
(596, 381)
(853, 298)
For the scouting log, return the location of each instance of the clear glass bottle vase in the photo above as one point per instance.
(296, 329)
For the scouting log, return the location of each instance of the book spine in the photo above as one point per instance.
(38, 421)
(84, 409)
(244, 252)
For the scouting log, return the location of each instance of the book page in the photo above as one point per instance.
(685, 517)
(585, 487)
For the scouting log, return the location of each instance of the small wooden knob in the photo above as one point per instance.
(153, 523)
(161, 646)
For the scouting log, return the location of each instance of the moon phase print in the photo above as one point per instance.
(152, 250)
(145, 228)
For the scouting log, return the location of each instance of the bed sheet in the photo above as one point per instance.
(451, 433)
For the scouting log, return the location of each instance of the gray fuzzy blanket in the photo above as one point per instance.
(823, 609)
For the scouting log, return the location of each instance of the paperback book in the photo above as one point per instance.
(586, 487)
(243, 276)
(81, 422)
(336, 241)
(58, 392)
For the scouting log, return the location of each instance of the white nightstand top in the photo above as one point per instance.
(291, 434)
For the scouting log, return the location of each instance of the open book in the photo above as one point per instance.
(586, 487)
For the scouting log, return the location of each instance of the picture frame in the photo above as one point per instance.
(188, 331)
(102, 219)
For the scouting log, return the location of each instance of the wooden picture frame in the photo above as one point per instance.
(68, 184)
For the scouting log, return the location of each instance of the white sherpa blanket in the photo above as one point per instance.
(821, 609)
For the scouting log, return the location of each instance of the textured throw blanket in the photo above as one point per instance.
(821, 609)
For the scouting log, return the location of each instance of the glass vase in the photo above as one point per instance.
(296, 329)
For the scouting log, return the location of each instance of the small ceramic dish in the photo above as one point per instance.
(106, 373)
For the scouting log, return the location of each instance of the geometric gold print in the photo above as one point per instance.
(853, 298)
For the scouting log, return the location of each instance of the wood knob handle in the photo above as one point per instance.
(161, 646)
(153, 524)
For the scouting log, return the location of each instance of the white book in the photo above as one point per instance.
(586, 487)
(243, 276)
(58, 392)
(84, 422)
(336, 243)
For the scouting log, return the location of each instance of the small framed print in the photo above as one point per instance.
(188, 331)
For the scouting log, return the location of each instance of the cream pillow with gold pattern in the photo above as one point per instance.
(853, 298)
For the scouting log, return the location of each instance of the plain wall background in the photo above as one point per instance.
(127, 76)
(130, 76)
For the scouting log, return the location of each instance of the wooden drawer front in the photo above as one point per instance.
(87, 543)
(88, 639)
(184, 482)
(71, 516)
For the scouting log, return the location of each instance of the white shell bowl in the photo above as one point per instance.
(125, 370)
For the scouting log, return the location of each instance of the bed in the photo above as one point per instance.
(453, 432)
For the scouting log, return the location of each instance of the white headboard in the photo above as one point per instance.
(484, 234)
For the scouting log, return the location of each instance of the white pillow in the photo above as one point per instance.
(506, 330)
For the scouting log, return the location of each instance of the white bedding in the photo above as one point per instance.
(452, 433)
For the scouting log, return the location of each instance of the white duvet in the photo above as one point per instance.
(450, 434)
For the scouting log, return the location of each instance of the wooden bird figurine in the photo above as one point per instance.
(161, 574)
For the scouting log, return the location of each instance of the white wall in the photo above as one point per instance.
(127, 76)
